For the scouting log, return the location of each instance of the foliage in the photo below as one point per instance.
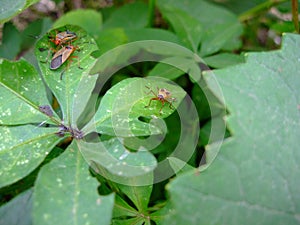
(10, 9)
(156, 116)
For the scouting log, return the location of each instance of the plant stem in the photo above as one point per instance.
(259, 8)
(151, 12)
(295, 14)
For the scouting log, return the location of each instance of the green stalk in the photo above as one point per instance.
(295, 14)
(151, 13)
(258, 9)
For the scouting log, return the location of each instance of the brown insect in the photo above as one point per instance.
(63, 37)
(61, 56)
(162, 95)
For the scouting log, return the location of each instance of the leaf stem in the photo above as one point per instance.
(151, 13)
(259, 8)
(295, 14)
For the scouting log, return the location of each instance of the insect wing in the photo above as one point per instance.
(64, 37)
(57, 59)
(61, 56)
(56, 62)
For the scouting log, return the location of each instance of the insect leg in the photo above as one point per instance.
(151, 101)
(163, 103)
(151, 91)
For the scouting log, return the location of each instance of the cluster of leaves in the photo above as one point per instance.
(54, 123)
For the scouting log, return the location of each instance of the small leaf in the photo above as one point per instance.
(133, 15)
(124, 103)
(166, 71)
(217, 38)
(17, 210)
(22, 92)
(22, 149)
(186, 27)
(70, 84)
(82, 18)
(174, 67)
(122, 208)
(65, 193)
(223, 60)
(139, 195)
(219, 25)
(150, 34)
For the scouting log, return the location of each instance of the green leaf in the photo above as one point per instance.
(10, 9)
(188, 29)
(223, 60)
(139, 195)
(133, 15)
(65, 193)
(166, 70)
(111, 38)
(174, 67)
(239, 7)
(254, 178)
(22, 92)
(160, 215)
(11, 42)
(75, 87)
(150, 34)
(216, 38)
(17, 210)
(124, 103)
(114, 161)
(82, 18)
(34, 30)
(179, 166)
(141, 51)
(135, 221)
(122, 208)
(214, 20)
(22, 149)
